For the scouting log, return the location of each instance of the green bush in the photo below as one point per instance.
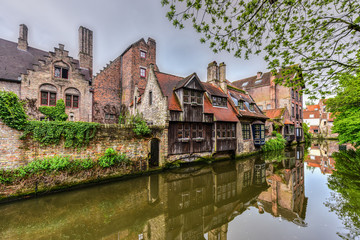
(86, 163)
(278, 143)
(273, 133)
(111, 158)
(140, 128)
(307, 134)
(12, 111)
(56, 113)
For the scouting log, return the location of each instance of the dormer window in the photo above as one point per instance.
(142, 54)
(258, 81)
(219, 101)
(244, 84)
(251, 106)
(193, 97)
(61, 72)
(241, 104)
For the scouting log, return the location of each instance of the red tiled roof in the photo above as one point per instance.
(312, 107)
(314, 127)
(221, 114)
(274, 113)
(213, 90)
(251, 82)
(167, 84)
(288, 122)
(247, 98)
(307, 113)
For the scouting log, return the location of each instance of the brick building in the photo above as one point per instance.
(270, 95)
(124, 77)
(41, 78)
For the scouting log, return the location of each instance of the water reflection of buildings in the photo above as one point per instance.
(286, 196)
(185, 203)
(320, 156)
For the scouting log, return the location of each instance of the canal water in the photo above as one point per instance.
(274, 196)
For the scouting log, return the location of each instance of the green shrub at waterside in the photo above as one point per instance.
(56, 113)
(307, 134)
(57, 164)
(12, 111)
(140, 128)
(75, 134)
(278, 143)
(111, 158)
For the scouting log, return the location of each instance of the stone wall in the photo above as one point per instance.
(15, 152)
(10, 86)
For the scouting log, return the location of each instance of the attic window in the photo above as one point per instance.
(60, 72)
(241, 105)
(258, 81)
(219, 101)
(251, 106)
(245, 84)
(142, 54)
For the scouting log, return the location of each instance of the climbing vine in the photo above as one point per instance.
(12, 111)
(56, 113)
(75, 134)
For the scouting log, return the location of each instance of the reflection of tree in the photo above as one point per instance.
(345, 181)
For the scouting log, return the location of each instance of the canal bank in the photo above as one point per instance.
(252, 198)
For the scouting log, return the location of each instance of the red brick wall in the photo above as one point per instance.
(107, 93)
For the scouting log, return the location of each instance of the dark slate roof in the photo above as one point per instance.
(14, 62)
(252, 82)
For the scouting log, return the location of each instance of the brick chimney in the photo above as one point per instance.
(222, 77)
(86, 48)
(22, 40)
(259, 75)
(213, 73)
(152, 50)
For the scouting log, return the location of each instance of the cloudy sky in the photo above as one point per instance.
(116, 24)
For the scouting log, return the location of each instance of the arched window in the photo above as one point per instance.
(48, 95)
(72, 98)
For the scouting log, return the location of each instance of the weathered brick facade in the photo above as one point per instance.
(115, 85)
(15, 152)
(41, 78)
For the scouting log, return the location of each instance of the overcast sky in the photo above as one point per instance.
(116, 24)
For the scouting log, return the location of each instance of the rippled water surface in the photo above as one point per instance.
(273, 196)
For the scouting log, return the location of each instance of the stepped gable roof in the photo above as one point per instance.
(221, 114)
(252, 82)
(14, 62)
(168, 83)
(213, 90)
(274, 113)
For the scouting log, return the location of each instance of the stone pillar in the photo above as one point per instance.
(23, 35)
(86, 48)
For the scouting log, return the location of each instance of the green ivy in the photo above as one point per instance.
(278, 143)
(12, 112)
(56, 113)
(307, 134)
(75, 134)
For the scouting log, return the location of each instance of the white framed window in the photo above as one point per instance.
(142, 54)
(311, 116)
(268, 106)
(142, 72)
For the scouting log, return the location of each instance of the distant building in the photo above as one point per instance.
(319, 119)
(268, 95)
(41, 78)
